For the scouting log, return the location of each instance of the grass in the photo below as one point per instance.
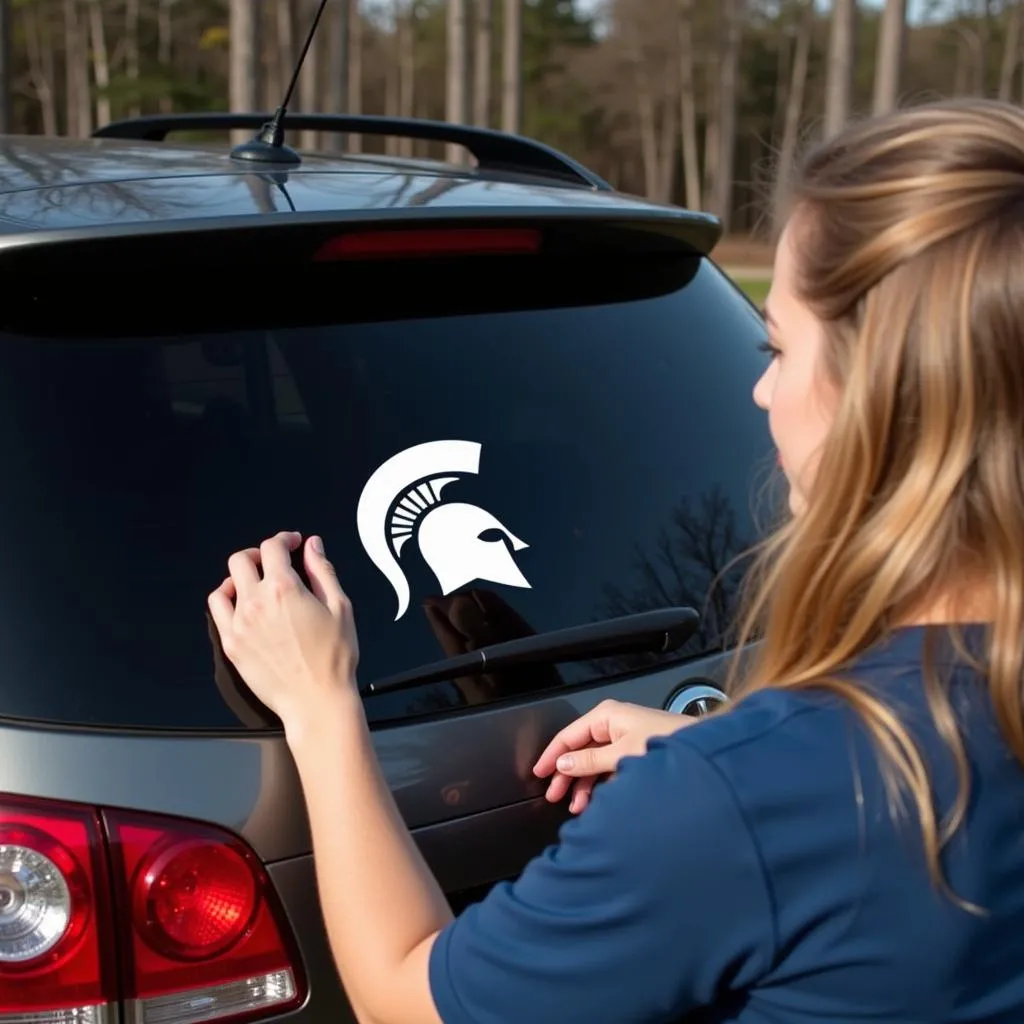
(757, 290)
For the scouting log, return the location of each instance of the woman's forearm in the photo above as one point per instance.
(382, 906)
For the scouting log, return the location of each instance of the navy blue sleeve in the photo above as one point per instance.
(653, 903)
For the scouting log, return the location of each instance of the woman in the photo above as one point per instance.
(846, 842)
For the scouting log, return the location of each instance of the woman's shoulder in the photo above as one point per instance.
(811, 727)
(778, 751)
(764, 719)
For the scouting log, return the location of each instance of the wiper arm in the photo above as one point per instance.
(659, 631)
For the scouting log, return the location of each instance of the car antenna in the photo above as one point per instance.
(267, 145)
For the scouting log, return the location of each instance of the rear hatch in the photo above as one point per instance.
(498, 434)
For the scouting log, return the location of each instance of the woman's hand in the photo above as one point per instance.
(296, 650)
(594, 744)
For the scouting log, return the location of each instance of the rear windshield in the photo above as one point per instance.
(479, 473)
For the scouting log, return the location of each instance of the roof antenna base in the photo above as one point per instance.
(267, 145)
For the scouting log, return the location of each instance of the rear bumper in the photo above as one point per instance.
(467, 853)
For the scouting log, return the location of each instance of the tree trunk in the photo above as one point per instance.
(79, 90)
(165, 47)
(48, 60)
(482, 62)
(70, 78)
(309, 77)
(839, 84)
(132, 15)
(244, 55)
(512, 68)
(284, 30)
(889, 56)
(669, 140)
(646, 110)
(355, 70)
(339, 49)
(392, 73)
(6, 71)
(39, 51)
(969, 68)
(100, 62)
(1011, 52)
(795, 98)
(727, 97)
(1020, 98)
(711, 132)
(984, 17)
(406, 29)
(783, 70)
(688, 107)
(457, 75)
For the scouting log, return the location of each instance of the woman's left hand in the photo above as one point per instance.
(296, 650)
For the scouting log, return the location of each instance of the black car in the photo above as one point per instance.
(515, 403)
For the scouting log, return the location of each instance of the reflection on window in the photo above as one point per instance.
(226, 379)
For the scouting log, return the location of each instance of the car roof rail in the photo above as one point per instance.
(493, 150)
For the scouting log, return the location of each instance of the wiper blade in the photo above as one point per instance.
(659, 631)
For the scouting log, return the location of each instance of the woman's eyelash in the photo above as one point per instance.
(768, 348)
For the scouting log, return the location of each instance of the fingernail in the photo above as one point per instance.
(318, 545)
(565, 762)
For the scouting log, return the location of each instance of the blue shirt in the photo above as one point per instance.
(748, 869)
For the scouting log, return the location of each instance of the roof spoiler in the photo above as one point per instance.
(258, 273)
(256, 240)
(492, 150)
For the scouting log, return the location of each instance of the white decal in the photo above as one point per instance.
(403, 499)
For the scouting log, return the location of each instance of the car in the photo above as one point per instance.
(515, 403)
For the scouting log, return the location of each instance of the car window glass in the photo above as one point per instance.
(567, 464)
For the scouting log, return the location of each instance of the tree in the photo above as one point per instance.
(512, 67)
(6, 71)
(457, 88)
(889, 62)
(243, 28)
(680, 100)
(795, 95)
(841, 58)
(482, 62)
(696, 563)
(688, 106)
(1011, 51)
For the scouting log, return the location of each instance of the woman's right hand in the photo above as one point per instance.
(593, 745)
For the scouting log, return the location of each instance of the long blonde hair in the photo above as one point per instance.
(909, 235)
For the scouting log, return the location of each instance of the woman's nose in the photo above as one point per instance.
(762, 391)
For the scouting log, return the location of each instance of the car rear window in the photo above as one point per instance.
(477, 475)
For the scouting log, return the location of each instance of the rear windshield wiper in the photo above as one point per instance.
(659, 631)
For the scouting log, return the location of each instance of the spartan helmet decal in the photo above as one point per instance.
(403, 498)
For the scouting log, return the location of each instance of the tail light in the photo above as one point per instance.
(205, 939)
(55, 935)
(393, 242)
(190, 911)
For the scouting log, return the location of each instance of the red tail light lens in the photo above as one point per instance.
(191, 910)
(54, 931)
(391, 242)
(194, 899)
(203, 926)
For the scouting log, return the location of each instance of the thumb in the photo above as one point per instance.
(590, 761)
(323, 580)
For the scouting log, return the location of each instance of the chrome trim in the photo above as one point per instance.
(695, 699)
(93, 1013)
(265, 995)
